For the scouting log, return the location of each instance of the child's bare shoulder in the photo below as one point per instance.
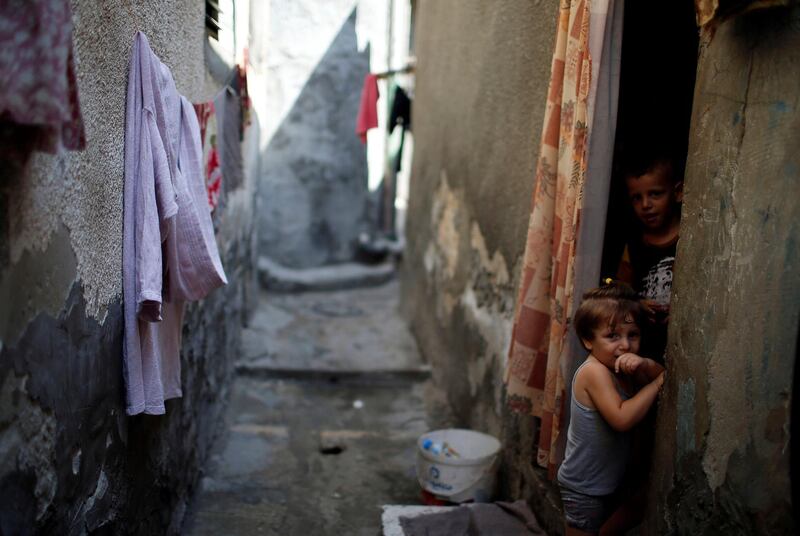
(593, 372)
(593, 378)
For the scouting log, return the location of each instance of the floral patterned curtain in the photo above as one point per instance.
(534, 382)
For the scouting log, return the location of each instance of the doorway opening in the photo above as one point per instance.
(658, 68)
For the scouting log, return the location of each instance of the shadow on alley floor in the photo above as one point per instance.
(330, 398)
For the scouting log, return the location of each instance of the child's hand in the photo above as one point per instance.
(659, 381)
(627, 363)
(661, 378)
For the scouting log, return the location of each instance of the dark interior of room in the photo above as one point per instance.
(659, 62)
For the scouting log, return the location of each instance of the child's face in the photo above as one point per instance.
(610, 343)
(655, 197)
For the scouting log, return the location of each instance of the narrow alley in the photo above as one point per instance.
(325, 411)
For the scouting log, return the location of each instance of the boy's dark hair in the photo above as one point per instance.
(636, 164)
(607, 305)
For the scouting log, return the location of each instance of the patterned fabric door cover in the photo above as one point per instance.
(534, 382)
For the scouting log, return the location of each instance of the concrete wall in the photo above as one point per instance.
(482, 75)
(314, 174)
(71, 462)
(724, 424)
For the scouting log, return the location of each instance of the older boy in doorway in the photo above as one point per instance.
(655, 191)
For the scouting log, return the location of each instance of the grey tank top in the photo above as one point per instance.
(596, 454)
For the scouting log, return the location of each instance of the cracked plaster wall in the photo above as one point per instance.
(71, 462)
(481, 84)
(724, 424)
(82, 191)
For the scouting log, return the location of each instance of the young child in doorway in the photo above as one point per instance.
(655, 191)
(611, 392)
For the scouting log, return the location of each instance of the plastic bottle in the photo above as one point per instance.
(449, 451)
(432, 446)
(437, 449)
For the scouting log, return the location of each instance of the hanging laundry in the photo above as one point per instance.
(39, 106)
(195, 268)
(207, 117)
(400, 113)
(228, 106)
(169, 251)
(368, 111)
(203, 111)
(244, 96)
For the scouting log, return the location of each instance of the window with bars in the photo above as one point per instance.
(212, 19)
(220, 25)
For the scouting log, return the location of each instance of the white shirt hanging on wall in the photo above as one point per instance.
(170, 254)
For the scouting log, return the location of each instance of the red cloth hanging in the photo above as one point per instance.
(368, 111)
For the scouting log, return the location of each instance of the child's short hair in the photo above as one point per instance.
(607, 305)
(638, 163)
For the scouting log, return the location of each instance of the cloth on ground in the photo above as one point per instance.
(491, 519)
(169, 251)
(368, 110)
(39, 106)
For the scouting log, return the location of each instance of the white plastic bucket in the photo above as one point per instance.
(469, 476)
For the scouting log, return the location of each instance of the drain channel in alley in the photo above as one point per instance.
(329, 400)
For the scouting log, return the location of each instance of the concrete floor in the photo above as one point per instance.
(321, 428)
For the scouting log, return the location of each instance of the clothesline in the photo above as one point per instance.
(407, 69)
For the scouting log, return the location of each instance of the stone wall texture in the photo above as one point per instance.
(724, 424)
(71, 461)
(481, 83)
(314, 194)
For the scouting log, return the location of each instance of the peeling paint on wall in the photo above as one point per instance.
(469, 205)
(39, 282)
(37, 431)
(82, 191)
(495, 265)
(444, 211)
(473, 285)
(495, 329)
